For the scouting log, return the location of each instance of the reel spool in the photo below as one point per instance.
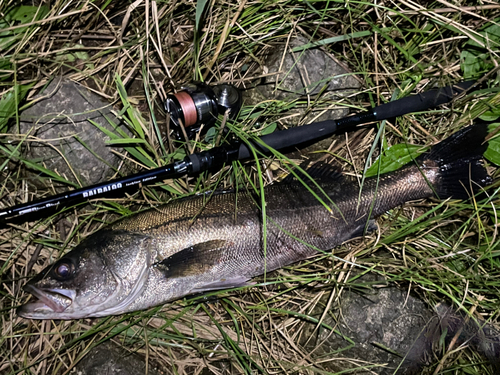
(199, 104)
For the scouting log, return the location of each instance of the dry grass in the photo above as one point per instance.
(405, 46)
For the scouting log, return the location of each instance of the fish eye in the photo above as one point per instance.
(63, 270)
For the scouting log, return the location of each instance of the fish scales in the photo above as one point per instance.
(215, 241)
(291, 210)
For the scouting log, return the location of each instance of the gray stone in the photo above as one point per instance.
(110, 359)
(385, 318)
(298, 74)
(305, 72)
(60, 121)
(395, 333)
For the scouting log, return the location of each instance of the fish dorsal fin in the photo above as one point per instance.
(193, 260)
(317, 171)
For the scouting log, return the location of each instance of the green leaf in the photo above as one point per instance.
(137, 153)
(19, 15)
(73, 55)
(179, 154)
(133, 118)
(25, 13)
(269, 129)
(475, 59)
(36, 165)
(6, 69)
(125, 141)
(10, 102)
(211, 133)
(489, 36)
(200, 7)
(394, 158)
(493, 151)
(82, 55)
(474, 65)
(492, 115)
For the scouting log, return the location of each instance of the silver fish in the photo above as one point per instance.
(216, 241)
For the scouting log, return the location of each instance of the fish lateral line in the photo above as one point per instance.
(116, 270)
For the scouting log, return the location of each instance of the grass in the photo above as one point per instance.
(132, 54)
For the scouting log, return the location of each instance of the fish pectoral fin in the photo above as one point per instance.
(364, 228)
(193, 260)
(232, 282)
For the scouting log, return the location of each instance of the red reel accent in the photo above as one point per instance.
(188, 108)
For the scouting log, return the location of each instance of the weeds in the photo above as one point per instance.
(132, 54)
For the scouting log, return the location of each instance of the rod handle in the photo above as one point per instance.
(420, 102)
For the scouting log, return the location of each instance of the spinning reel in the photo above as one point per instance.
(198, 104)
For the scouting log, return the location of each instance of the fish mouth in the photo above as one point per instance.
(47, 300)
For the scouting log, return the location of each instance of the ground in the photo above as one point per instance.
(354, 310)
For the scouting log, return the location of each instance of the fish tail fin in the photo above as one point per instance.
(460, 160)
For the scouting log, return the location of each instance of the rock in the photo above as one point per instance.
(60, 120)
(305, 72)
(391, 332)
(302, 73)
(387, 317)
(110, 359)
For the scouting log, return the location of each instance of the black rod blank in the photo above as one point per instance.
(218, 156)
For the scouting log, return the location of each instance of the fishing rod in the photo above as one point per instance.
(217, 157)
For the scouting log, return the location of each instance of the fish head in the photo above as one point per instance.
(101, 276)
